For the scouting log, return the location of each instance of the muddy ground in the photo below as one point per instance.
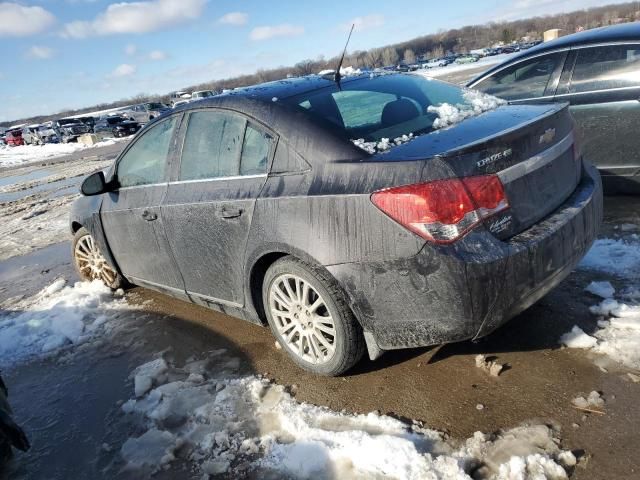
(71, 408)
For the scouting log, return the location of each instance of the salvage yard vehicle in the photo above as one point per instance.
(145, 112)
(115, 126)
(13, 138)
(598, 73)
(286, 203)
(202, 94)
(69, 129)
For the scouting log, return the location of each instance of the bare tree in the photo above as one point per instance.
(305, 67)
(390, 56)
(373, 58)
(409, 56)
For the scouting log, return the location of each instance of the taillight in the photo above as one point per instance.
(442, 211)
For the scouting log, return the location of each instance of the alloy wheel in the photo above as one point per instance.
(302, 319)
(91, 263)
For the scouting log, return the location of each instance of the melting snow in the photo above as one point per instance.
(618, 335)
(476, 103)
(223, 423)
(55, 317)
(618, 257)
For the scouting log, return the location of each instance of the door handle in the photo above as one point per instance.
(230, 212)
(149, 216)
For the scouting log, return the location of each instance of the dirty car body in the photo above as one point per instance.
(441, 236)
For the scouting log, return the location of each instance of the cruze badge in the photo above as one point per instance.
(548, 136)
(494, 158)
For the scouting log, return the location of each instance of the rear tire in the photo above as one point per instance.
(89, 262)
(309, 316)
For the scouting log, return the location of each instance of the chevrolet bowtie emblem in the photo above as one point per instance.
(548, 135)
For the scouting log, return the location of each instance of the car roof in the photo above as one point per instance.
(614, 33)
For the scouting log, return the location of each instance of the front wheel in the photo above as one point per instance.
(308, 313)
(89, 262)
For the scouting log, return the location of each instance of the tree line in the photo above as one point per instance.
(459, 40)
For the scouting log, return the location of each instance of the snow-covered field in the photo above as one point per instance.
(24, 154)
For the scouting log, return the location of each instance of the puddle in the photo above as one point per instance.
(27, 177)
(28, 274)
(55, 189)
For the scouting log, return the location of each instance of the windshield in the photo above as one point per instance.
(69, 121)
(114, 120)
(203, 94)
(379, 110)
(155, 106)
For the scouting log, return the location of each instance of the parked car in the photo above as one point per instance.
(89, 121)
(30, 136)
(202, 94)
(178, 96)
(437, 62)
(69, 129)
(295, 212)
(598, 73)
(11, 435)
(13, 138)
(146, 112)
(467, 59)
(115, 126)
(180, 102)
(47, 134)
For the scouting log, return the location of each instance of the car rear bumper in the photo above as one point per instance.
(468, 289)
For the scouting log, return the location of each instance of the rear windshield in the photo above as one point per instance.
(155, 106)
(380, 111)
(114, 120)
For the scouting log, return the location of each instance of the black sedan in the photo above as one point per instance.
(382, 211)
(598, 73)
(115, 126)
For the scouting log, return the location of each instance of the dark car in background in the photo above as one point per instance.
(89, 121)
(115, 126)
(69, 129)
(598, 73)
(346, 214)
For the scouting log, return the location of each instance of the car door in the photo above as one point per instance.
(603, 88)
(131, 213)
(208, 208)
(531, 80)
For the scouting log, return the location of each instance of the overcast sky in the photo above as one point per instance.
(71, 53)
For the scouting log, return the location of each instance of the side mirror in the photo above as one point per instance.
(94, 184)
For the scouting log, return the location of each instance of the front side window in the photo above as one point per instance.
(146, 161)
(526, 79)
(212, 145)
(602, 68)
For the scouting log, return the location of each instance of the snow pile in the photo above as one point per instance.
(618, 335)
(617, 257)
(601, 289)
(344, 71)
(382, 145)
(10, 156)
(476, 103)
(55, 317)
(593, 400)
(222, 423)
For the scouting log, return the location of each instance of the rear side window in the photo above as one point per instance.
(145, 162)
(212, 145)
(527, 79)
(602, 68)
(255, 152)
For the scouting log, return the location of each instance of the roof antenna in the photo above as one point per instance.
(337, 76)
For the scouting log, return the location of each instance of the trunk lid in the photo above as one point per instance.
(530, 148)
